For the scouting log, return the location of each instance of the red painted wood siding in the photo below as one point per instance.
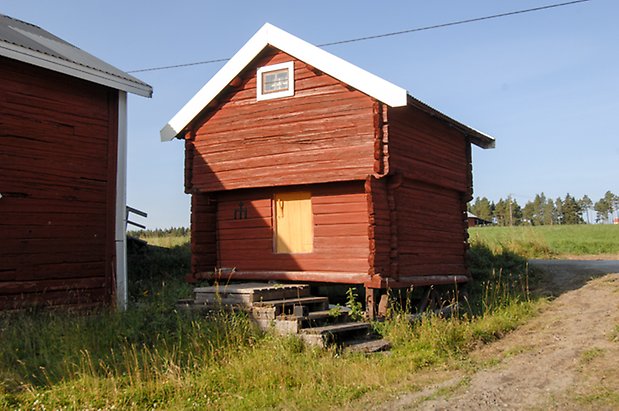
(431, 237)
(203, 232)
(433, 163)
(324, 133)
(424, 148)
(381, 233)
(58, 182)
(340, 219)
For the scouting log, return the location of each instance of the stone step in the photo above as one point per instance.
(275, 308)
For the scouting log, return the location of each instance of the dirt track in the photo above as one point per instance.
(566, 358)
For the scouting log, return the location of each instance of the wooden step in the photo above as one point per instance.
(367, 345)
(334, 333)
(294, 301)
(245, 294)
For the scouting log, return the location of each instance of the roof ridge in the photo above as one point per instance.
(21, 21)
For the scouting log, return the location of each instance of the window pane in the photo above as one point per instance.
(273, 81)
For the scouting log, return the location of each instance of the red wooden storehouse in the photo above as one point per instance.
(62, 171)
(304, 167)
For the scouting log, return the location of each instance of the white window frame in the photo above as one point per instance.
(289, 65)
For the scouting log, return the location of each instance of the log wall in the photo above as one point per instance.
(340, 221)
(58, 139)
(324, 133)
(433, 162)
(203, 232)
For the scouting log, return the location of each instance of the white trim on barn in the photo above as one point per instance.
(336, 67)
(120, 239)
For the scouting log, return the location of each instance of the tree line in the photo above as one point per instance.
(547, 211)
(160, 232)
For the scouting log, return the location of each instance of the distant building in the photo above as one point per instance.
(63, 142)
(473, 220)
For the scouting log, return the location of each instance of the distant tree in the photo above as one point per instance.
(500, 213)
(613, 202)
(602, 209)
(558, 211)
(516, 213)
(585, 205)
(529, 213)
(482, 208)
(550, 213)
(571, 211)
(605, 207)
(507, 212)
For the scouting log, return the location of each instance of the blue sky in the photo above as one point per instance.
(544, 84)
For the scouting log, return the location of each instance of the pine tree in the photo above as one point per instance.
(571, 211)
(482, 208)
(585, 206)
(602, 208)
(550, 212)
(529, 213)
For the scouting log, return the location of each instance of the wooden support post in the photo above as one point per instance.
(383, 305)
(371, 301)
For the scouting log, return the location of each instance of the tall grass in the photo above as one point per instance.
(153, 356)
(550, 241)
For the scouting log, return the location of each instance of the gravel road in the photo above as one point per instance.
(567, 358)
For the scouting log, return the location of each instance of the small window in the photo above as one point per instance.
(275, 81)
(293, 223)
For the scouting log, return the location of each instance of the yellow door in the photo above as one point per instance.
(294, 227)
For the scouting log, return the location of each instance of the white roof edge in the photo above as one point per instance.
(74, 70)
(322, 60)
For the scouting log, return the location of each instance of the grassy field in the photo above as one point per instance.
(551, 241)
(166, 241)
(153, 356)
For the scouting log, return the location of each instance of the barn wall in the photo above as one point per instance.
(431, 235)
(58, 140)
(324, 133)
(340, 222)
(382, 233)
(203, 232)
(433, 164)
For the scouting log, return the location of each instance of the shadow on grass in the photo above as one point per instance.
(560, 276)
(158, 271)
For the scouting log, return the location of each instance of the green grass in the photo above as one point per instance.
(153, 356)
(591, 354)
(600, 397)
(167, 241)
(550, 241)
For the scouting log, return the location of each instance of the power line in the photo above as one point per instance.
(395, 33)
(454, 23)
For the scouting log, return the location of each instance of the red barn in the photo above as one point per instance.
(304, 167)
(62, 171)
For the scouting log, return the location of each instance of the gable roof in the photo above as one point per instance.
(269, 35)
(31, 44)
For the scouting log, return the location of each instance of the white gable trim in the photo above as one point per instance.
(342, 70)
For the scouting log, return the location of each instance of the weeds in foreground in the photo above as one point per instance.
(153, 356)
(352, 302)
